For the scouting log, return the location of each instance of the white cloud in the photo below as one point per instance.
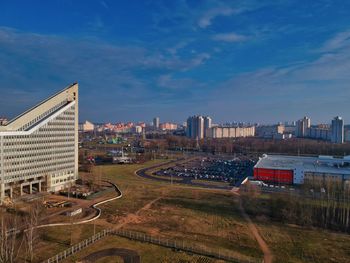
(174, 49)
(318, 87)
(230, 37)
(167, 81)
(40, 64)
(211, 14)
(339, 41)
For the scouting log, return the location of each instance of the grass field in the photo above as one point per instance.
(147, 252)
(295, 244)
(207, 218)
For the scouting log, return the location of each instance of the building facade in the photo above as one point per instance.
(197, 126)
(284, 169)
(168, 126)
(337, 130)
(207, 125)
(88, 126)
(230, 132)
(269, 131)
(302, 127)
(320, 132)
(156, 123)
(39, 148)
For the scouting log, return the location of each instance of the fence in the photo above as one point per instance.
(173, 244)
(78, 247)
(181, 246)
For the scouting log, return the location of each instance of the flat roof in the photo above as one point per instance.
(320, 164)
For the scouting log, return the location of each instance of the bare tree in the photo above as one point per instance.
(9, 247)
(31, 234)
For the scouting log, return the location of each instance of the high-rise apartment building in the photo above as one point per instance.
(303, 127)
(39, 148)
(337, 130)
(197, 126)
(156, 123)
(207, 125)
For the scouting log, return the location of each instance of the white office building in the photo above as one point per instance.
(39, 148)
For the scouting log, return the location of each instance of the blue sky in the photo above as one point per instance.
(253, 61)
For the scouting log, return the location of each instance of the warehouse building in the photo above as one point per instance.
(295, 169)
(39, 148)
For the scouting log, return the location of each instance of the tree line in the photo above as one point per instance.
(323, 203)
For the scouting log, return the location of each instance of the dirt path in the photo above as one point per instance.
(134, 218)
(268, 256)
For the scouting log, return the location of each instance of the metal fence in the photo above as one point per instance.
(78, 247)
(177, 245)
(180, 245)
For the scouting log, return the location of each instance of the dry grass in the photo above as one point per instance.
(148, 253)
(205, 217)
(295, 244)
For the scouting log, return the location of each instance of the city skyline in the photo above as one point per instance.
(252, 61)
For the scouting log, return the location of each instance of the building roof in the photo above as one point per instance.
(67, 94)
(320, 164)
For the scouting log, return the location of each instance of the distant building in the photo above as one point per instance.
(282, 136)
(207, 125)
(88, 126)
(269, 131)
(167, 126)
(347, 133)
(302, 127)
(137, 129)
(320, 132)
(337, 130)
(156, 123)
(142, 124)
(290, 129)
(196, 126)
(230, 132)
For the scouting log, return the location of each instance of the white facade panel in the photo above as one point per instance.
(41, 146)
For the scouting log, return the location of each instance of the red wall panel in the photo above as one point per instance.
(274, 175)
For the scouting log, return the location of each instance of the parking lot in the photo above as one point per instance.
(220, 169)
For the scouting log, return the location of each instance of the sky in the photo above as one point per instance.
(252, 61)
